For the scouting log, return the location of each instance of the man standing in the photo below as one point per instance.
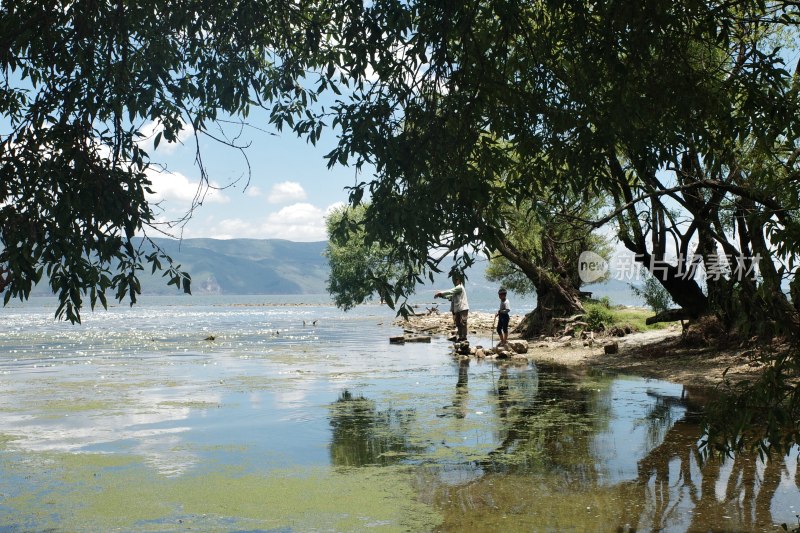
(459, 305)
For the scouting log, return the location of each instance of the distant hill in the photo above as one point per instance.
(276, 266)
(245, 266)
(239, 266)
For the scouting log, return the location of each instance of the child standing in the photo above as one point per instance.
(503, 316)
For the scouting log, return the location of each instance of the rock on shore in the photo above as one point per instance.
(441, 323)
(658, 353)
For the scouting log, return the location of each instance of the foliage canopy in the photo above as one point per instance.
(79, 80)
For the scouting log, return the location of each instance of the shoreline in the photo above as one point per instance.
(655, 353)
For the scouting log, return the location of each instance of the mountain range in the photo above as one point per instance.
(281, 267)
(273, 266)
(238, 266)
(245, 266)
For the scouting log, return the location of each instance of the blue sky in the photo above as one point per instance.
(289, 192)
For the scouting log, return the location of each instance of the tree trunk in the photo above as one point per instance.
(670, 315)
(771, 312)
(685, 292)
(556, 297)
(551, 302)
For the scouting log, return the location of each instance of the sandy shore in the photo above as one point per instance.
(659, 353)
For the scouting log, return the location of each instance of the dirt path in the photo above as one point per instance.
(659, 354)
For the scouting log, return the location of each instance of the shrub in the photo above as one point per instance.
(598, 316)
(654, 294)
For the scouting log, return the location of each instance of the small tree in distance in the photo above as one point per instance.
(653, 293)
(358, 270)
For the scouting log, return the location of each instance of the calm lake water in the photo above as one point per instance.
(303, 418)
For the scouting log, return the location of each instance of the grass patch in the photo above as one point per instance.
(635, 318)
(610, 315)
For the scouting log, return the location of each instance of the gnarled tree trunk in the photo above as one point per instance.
(556, 297)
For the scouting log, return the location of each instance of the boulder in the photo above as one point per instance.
(611, 348)
(462, 348)
(518, 346)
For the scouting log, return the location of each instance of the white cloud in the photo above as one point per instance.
(287, 191)
(175, 187)
(230, 228)
(297, 222)
(300, 213)
(300, 222)
(148, 133)
(253, 191)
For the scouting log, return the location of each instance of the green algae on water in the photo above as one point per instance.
(103, 492)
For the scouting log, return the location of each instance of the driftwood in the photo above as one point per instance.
(567, 325)
(670, 315)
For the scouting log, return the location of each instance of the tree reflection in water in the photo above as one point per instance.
(568, 452)
(364, 435)
(558, 465)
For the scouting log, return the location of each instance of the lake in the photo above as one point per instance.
(298, 417)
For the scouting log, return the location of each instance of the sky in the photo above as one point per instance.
(290, 188)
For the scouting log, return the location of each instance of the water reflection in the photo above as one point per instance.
(742, 493)
(570, 452)
(458, 409)
(563, 436)
(363, 435)
(544, 422)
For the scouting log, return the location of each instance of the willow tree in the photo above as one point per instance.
(359, 270)
(666, 107)
(539, 252)
(705, 177)
(681, 112)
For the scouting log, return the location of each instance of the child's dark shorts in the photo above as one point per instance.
(502, 323)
